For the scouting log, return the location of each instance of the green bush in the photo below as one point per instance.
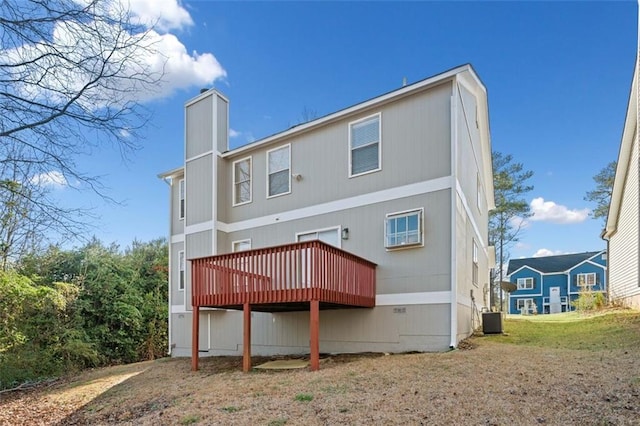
(589, 301)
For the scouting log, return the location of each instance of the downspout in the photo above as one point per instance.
(169, 181)
(605, 237)
(453, 218)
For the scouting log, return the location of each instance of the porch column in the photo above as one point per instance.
(314, 335)
(195, 338)
(246, 354)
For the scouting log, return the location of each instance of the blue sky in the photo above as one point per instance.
(558, 77)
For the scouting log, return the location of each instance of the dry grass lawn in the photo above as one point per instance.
(568, 371)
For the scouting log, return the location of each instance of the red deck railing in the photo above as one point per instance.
(292, 273)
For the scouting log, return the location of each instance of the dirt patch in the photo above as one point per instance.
(489, 383)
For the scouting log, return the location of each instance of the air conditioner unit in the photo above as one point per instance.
(491, 322)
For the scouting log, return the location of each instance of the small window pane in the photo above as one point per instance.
(279, 160)
(402, 224)
(364, 159)
(364, 133)
(279, 183)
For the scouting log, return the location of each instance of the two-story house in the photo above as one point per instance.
(375, 215)
(548, 285)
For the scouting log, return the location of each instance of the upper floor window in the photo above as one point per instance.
(364, 145)
(525, 283)
(474, 266)
(181, 268)
(279, 171)
(181, 196)
(242, 181)
(586, 280)
(403, 229)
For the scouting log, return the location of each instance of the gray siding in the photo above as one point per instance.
(624, 247)
(199, 244)
(417, 269)
(199, 199)
(469, 161)
(177, 296)
(177, 224)
(416, 134)
(382, 329)
(199, 127)
(222, 124)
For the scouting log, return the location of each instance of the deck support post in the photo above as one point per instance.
(195, 338)
(314, 335)
(246, 353)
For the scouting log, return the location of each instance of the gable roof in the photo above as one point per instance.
(451, 74)
(550, 264)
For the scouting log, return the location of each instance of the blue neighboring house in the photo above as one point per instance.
(549, 284)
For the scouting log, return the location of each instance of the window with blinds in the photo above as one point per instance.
(279, 171)
(364, 146)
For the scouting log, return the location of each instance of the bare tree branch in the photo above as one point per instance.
(71, 77)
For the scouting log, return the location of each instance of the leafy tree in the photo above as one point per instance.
(94, 305)
(38, 332)
(601, 195)
(512, 209)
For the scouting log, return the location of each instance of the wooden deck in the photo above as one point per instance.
(305, 276)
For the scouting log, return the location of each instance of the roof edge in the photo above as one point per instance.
(385, 97)
(624, 157)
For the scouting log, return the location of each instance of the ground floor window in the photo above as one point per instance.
(181, 264)
(526, 306)
(403, 229)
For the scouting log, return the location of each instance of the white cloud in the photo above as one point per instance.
(548, 211)
(53, 179)
(165, 14)
(234, 133)
(546, 252)
(181, 69)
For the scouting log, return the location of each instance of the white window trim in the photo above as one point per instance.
(182, 196)
(331, 228)
(404, 246)
(233, 179)
(288, 146)
(233, 244)
(586, 280)
(523, 285)
(379, 116)
(182, 271)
